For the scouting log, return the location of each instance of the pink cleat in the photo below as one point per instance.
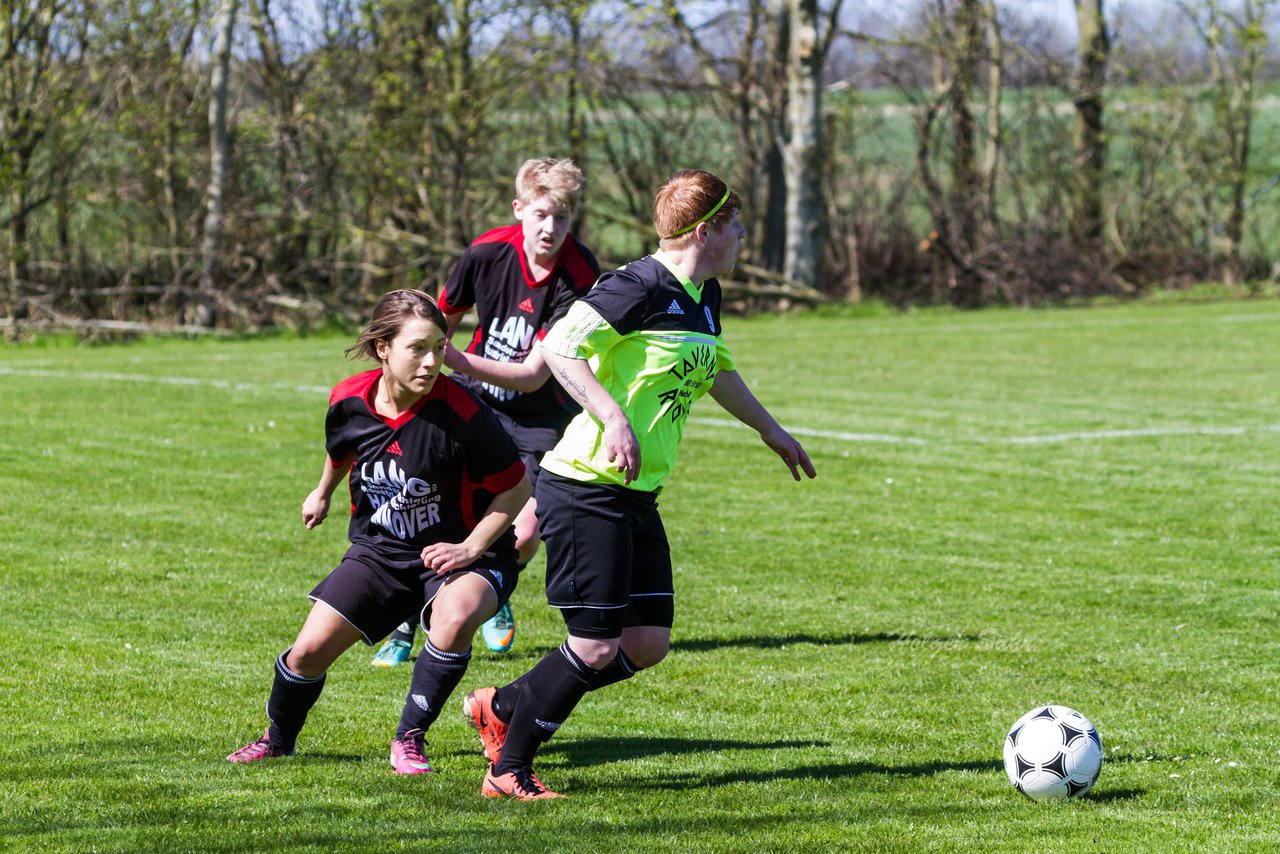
(407, 755)
(258, 750)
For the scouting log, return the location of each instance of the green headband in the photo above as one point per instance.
(706, 216)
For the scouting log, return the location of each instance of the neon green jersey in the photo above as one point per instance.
(654, 342)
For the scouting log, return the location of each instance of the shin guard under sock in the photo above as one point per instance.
(504, 701)
(435, 674)
(549, 692)
(292, 697)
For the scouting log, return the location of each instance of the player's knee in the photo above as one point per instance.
(648, 652)
(306, 660)
(452, 627)
(596, 653)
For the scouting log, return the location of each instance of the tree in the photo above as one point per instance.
(804, 148)
(1089, 142)
(143, 54)
(963, 35)
(1235, 45)
(284, 78)
(219, 159)
(771, 89)
(39, 57)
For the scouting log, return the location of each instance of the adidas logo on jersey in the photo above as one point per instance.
(527, 305)
(674, 308)
(395, 449)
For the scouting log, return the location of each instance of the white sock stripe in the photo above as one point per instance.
(441, 655)
(290, 676)
(578, 664)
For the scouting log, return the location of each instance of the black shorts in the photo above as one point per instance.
(375, 593)
(532, 440)
(608, 561)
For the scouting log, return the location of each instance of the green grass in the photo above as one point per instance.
(1085, 514)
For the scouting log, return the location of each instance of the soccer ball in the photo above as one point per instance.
(1053, 753)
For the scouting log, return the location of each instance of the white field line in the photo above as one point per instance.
(1125, 434)
(1018, 325)
(1048, 439)
(822, 434)
(93, 376)
(841, 436)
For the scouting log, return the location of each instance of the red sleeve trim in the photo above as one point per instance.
(503, 480)
(503, 234)
(457, 398)
(448, 307)
(494, 484)
(357, 386)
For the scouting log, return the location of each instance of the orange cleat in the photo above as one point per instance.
(522, 785)
(477, 707)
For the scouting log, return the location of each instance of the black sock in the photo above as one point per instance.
(548, 694)
(505, 699)
(292, 697)
(404, 632)
(615, 671)
(435, 675)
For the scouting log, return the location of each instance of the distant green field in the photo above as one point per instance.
(1013, 508)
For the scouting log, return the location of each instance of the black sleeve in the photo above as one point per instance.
(619, 297)
(339, 438)
(459, 292)
(566, 295)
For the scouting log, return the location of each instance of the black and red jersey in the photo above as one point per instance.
(426, 477)
(514, 310)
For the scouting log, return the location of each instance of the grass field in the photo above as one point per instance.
(1013, 508)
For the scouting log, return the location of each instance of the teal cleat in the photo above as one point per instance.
(393, 653)
(500, 630)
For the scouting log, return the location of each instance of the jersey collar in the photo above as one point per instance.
(693, 289)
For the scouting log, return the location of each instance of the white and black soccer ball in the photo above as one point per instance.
(1053, 753)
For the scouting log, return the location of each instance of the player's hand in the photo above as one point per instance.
(446, 557)
(315, 507)
(790, 451)
(621, 447)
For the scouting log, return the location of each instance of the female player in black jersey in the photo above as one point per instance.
(435, 484)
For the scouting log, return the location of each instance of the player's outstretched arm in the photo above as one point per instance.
(525, 376)
(619, 440)
(446, 557)
(731, 392)
(315, 507)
